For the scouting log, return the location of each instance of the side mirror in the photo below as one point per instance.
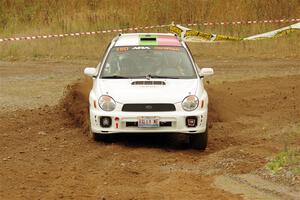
(206, 72)
(90, 71)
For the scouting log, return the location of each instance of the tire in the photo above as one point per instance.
(199, 140)
(93, 136)
(107, 138)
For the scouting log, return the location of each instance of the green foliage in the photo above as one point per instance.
(283, 159)
(278, 162)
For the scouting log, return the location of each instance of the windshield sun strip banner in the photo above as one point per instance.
(168, 41)
(148, 40)
(161, 40)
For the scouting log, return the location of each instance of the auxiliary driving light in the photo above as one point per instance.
(105, 122)
(191, 121)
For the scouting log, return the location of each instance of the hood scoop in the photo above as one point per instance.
(148, 83)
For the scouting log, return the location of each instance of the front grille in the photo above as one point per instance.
(159, 107)
(161, 124)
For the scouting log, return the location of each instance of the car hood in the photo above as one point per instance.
(124, 91)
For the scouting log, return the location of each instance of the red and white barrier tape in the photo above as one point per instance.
(80, 34)
(143, 28)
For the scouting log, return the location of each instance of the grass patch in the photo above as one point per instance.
(92, 47)
(35, 17)
(283, 159)
(23, 16)
(289, 158)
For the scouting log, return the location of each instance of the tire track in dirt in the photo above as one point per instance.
(48, 157)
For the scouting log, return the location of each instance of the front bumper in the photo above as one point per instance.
(177, 119)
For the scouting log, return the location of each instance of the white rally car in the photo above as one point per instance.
(148, 83)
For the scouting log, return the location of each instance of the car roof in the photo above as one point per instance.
(148, 39)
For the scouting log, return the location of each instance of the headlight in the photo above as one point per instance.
(190, 103)
(107, 103)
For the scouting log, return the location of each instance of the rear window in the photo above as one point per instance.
(141, 61)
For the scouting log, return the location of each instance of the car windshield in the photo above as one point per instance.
(148, 62)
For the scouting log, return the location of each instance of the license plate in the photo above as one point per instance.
(148, 122)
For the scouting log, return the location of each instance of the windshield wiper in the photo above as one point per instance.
(114, 76)
(157, 76)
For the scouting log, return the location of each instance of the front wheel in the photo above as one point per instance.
(109, 138)
(199, 140)
(93, 136)
(106, 138)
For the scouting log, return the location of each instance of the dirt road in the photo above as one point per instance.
(44, 154)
